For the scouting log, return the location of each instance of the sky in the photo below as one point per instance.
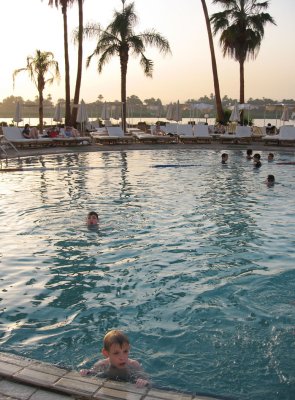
(185, 74)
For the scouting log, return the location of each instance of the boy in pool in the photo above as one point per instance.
(256, 160)
(92, 218)
(117, 364)
(224, 158)
(249, 154)
(270, 157)
(270, 180)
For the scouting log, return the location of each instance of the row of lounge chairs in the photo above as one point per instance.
(171, 133)
(13, 137)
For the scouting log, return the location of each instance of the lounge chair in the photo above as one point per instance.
(258, 133)
(186, 133)
(148, 138)
(200, 135)
(13, 136)
(63, 140)
(285, 137)
(243, 134)
(112, 135)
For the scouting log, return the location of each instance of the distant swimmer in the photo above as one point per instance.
(92, 218)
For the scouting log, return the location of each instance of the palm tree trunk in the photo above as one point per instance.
(40, 109)
(79, 67)
(123, 63)
(218, 102)
(67, 68)
(242, 87)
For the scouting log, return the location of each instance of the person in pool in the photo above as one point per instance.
(117, 364)
(249, 154)
(270, 180)
(224, 158)
(92, 218)
(256, 160)
(270, 157)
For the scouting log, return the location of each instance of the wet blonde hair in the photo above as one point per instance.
(114, 337)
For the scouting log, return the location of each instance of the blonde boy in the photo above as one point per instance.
(117, 364)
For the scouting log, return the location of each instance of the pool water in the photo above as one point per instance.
(194, 260)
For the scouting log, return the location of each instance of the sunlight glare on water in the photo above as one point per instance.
(193, 259)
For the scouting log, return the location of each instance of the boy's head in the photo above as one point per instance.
(116, 347)
(270, 180)
(224, 157)
(92, 218)
(256, 157)
(249, 152)
(270, 156)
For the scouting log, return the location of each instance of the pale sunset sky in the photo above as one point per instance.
(186, 74)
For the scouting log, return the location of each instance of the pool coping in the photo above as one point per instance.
(24, 378)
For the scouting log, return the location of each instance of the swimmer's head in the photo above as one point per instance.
(270, 180)
(92, 218)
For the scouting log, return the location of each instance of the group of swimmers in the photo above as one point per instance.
(270, 180)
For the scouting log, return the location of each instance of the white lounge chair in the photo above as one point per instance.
(243, 134)
(112, 135)
(286, 136)
(13, 136)
(63, 140)
(201, 133)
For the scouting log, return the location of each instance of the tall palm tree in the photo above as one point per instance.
(39, 67)
(80, 64)
(242, 29)
(220, 116)
(64, 8)
(119, 39)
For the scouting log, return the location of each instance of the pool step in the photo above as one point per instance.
(27, 379)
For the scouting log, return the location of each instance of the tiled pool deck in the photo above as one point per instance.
(26, 379)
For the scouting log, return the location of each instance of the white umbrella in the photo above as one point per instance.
(116, 112)
(285, 115)
(57, 114)
(17, 116)
(176, 112)
(169, 112)
(235, 114)
(105, 112)
(82, 116)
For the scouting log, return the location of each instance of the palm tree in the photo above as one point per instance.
(64, 7)
(242, 29)
(38, 67)
(80, 64)
(219, 110)
(119, 39)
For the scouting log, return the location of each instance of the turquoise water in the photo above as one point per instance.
(193, 259)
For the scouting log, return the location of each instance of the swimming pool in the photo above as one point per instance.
(193, 259)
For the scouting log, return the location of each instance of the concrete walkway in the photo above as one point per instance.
(26, 379)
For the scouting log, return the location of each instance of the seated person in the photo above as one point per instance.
(70, 132)
(158, 130)
(270, 129)
(30, 133)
